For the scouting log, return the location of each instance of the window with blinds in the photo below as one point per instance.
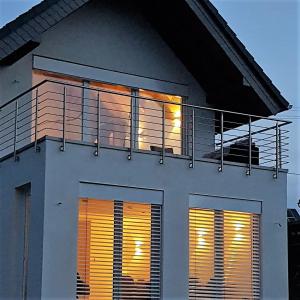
(118, 250)
(224, 255)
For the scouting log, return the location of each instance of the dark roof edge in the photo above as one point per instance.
(245, 54)
(25, 17)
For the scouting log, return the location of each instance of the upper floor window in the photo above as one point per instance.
(114, 113)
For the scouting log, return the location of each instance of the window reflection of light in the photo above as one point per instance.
(238, 226)
(177, 114)
(238, 237)
(177, 123)
(201, 239)
(138, 250)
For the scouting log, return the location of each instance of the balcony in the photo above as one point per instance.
(134, 120)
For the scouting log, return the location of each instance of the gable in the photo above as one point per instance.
(198, 36)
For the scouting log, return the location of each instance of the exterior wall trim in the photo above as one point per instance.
(108, 76)
(225, 203)
(120, 192)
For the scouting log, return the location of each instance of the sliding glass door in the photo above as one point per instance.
(87, 111)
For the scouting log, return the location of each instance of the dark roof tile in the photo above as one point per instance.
(10, 42)
(42, 22)
(22, 32)
(17, 37)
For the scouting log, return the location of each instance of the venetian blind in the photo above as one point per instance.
(118, 250)
(224, 255)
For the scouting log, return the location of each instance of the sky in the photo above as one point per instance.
(270, 30)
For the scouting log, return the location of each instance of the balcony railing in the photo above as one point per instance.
(106, 118)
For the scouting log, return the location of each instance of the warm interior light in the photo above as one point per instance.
(177, 114)
(237, 252)
(238, 226)
(138, 250)
(201, 239)
(177, 123)
(238, 237)
(201, 245)
(177, 119)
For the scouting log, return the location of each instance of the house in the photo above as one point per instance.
(139, 156)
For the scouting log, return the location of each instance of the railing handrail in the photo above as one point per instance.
(283, 122)
(22, 94)
(187, 140)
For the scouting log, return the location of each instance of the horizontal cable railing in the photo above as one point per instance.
(127, 120)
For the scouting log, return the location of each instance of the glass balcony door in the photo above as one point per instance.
(159, 119)
(87, 111)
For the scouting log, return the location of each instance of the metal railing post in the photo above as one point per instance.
(277, 152)
(280, 147)
(36, 148)
(97, 152)
(162, 159)
(248, 172)
(192, 163)
(16, 158)
(222, 142)
(132, 125)
(63, 146)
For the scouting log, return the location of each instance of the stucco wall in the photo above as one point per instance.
(177, 181)
(29, 170)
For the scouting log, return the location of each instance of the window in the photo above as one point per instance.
(115, 106)
(150, 128)
(50, 106)
(224, 255)
(155, 120)
(118, 250)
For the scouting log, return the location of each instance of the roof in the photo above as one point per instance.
(243, 51)
(23, 34)
(27, 28)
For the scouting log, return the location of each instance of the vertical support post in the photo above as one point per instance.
(16, 130)
(36, 148)
(96, 153)
(191, 165)
(222, 142)
(277, 152)
(86, 132)
(162, 159)
(132, 124)
(248, 172)
(63, 146)
(280, 147)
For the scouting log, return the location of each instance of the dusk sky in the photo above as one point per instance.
(270, 31)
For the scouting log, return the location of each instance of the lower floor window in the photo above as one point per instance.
(118, 250)
(224, 255)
